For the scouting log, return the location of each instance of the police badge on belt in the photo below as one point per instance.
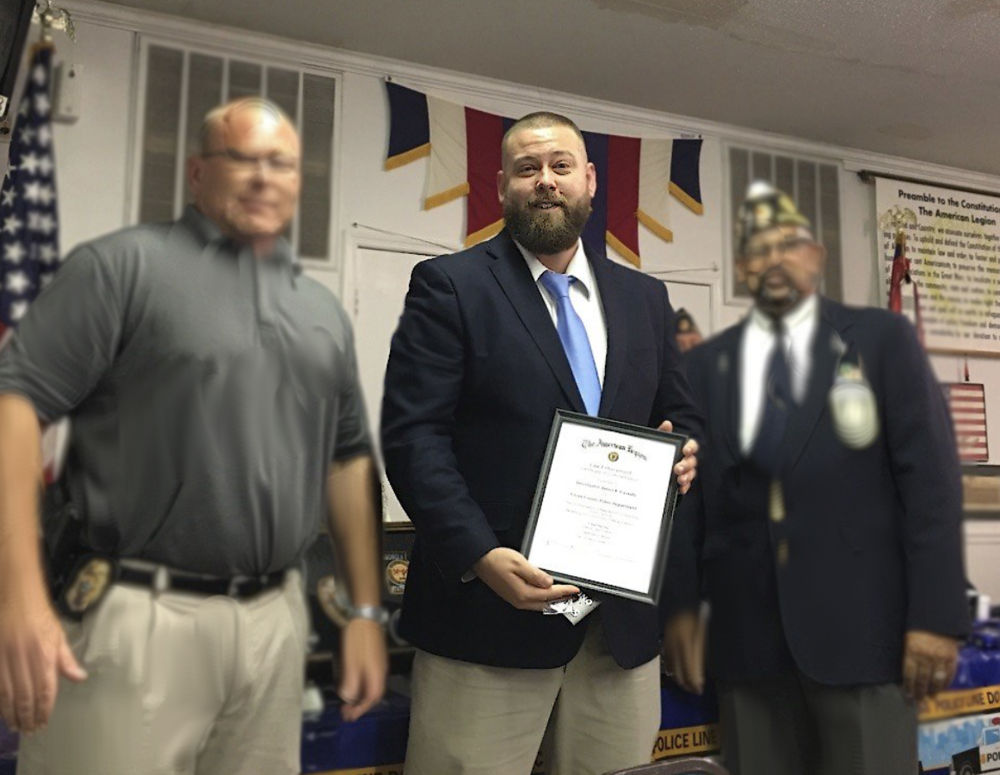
(86, 584)
(853, 406)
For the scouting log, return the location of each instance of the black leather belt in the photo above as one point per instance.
(239, 587)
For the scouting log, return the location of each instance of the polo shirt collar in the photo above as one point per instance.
(207, 233)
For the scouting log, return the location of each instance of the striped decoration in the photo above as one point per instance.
(967, 403)
(637, 178)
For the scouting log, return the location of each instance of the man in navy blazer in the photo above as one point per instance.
(487, 349)
(827, 534)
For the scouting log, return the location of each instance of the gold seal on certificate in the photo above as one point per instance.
(604, 506)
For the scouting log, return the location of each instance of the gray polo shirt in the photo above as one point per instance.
(209, 392)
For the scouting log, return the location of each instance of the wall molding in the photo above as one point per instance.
(471, 88)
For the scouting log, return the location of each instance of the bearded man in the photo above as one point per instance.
(491, 343)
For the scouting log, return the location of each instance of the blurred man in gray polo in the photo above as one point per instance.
(217, 418)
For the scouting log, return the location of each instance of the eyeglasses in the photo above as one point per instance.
(761, 252)
(281, 165)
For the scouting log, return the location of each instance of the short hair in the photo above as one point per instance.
(537, 120)
(219, 113)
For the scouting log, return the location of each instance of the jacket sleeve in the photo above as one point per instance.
(673, 397)
(927, 475)
(675, 402)
(423, 385)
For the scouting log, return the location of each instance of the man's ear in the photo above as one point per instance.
(501, 185)
(819, 257)
(741, 270)
(194, 172)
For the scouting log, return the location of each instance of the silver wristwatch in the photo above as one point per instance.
(374, 613)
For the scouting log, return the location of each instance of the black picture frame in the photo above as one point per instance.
(562, 418)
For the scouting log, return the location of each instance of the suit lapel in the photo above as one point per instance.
(827, 349)
(616, 324)
(729, 371)
(515, 279)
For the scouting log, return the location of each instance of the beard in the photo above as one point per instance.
(776, 306)
(547, 232)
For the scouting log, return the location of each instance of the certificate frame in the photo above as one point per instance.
(563, 418)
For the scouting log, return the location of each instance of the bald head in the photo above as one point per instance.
(241, 114)
(541, 119)
(246, 176)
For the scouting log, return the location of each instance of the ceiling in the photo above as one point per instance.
(912, 78)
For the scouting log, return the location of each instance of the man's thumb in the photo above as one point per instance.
(68, 666)
(534, 576)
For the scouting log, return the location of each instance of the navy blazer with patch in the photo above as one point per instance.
(475, 375)
(873, 536)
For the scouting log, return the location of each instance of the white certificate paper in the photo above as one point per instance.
(604, 505)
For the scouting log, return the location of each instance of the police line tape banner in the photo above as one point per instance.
(686, 741)
(960, 703)
(953, 246)
(691, 741)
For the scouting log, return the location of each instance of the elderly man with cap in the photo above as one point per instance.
(828, 540)
(217, 420)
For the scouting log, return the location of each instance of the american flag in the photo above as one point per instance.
(967, 402)
(29, 223)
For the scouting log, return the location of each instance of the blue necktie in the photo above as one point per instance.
(574, 340)
(778, 405)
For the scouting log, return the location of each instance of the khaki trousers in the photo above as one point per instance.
(594, 716)
(180, 684)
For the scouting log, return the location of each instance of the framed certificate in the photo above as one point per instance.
(604, 506)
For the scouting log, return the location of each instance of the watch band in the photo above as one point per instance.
(374, 613)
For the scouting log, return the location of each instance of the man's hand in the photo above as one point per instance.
(33, 655)
(687, 469)
(929, 663)
(684, 650)
(517, 581)
(364, 666)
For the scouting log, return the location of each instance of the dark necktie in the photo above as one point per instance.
(778, 405)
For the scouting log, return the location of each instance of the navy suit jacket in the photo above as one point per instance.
(475, 375)
(873, 537)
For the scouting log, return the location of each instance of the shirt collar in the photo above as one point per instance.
(578, 266)
(207, 233)
(800, 316)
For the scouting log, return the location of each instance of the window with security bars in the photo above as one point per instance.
(182, 86)
(813, 185)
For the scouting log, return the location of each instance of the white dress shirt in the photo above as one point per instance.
(585, 297)
(759, 338)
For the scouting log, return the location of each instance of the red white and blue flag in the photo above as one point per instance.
(29, 223)
(637, 177)
(29, 218)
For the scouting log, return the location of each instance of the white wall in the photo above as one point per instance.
(95, 159)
